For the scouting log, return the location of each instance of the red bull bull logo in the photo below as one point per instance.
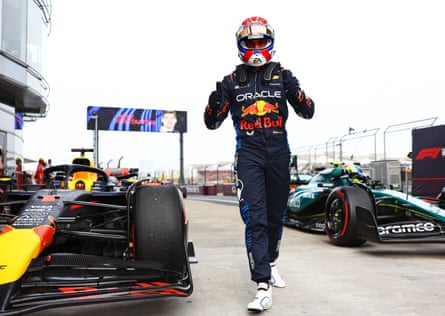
(259, 108)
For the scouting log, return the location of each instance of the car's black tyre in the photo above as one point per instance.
(341, 215)
(159, 226)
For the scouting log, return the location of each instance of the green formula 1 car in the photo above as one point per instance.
(352, 210)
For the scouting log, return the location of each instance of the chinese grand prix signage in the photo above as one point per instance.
(135, 119)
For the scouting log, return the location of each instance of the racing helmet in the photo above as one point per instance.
(255, 40)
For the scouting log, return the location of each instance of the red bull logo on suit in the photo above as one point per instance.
(260, 108)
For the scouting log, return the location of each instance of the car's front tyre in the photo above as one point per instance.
(159, 227)
(341, 215)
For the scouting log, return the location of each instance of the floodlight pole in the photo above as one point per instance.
(181, 158)
(340, 144)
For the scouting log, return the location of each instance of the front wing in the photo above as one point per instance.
(312, 224)
(406, 231)
(69, 279)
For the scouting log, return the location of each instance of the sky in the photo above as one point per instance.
(376, 66)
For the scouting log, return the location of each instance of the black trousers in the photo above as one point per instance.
(263, 187)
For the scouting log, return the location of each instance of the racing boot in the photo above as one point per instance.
(275, 278)
(263, 298)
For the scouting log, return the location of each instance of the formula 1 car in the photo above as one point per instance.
(351, 209)
(61, 246)
(305, 205)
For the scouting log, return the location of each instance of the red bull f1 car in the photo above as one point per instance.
(352, 210)
(61, 246)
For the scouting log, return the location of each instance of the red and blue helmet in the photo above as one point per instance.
(255, 40)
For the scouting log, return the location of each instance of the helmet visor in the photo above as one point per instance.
(257, 43)
(255, 30)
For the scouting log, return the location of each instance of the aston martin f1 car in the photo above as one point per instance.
(305, 205)
(351, 209)
(61, 246)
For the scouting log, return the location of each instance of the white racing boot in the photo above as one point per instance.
(263, 298)
(275, 278)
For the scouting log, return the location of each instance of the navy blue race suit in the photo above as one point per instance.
(257, 99)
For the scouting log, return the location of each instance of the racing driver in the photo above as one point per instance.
(257, 94)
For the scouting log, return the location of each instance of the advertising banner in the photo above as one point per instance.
(428, 160)
(136, 119)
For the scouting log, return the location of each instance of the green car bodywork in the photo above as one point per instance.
(305, 205)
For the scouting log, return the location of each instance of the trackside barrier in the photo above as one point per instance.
(211, 189)
(203, 190)
(192, 189)
(208, 189)
(229, 189)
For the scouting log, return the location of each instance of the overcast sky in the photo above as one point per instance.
(366, 64)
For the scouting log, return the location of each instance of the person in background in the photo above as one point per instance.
(169, 120)
(256, 95)
(19, 173)
(39, 171)
(358, 167)
(27, 178)
(48, 165)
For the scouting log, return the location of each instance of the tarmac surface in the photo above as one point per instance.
(322, 279)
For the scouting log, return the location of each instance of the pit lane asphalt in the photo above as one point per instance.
(375, 279)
